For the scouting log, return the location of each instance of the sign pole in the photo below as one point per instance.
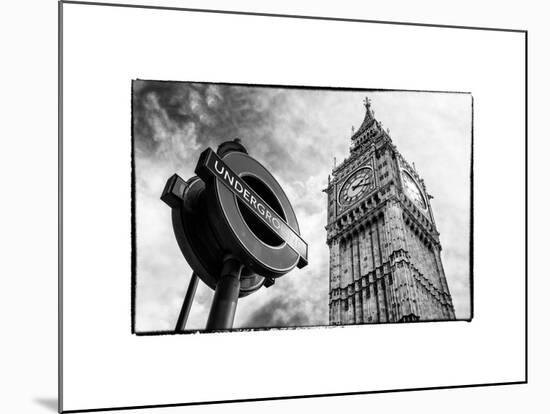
(187, 302)
(224, 304)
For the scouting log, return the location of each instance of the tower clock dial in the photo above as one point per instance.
(412, 190)
(356, 185)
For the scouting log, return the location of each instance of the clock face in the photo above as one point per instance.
(413, 191)
(356, 185)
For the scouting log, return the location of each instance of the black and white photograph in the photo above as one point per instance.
(281, 207)
(259, 207)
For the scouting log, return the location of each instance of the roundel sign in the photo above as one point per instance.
(235, 206)
(251, 214)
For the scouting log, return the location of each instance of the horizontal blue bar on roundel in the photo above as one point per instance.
(210, 163)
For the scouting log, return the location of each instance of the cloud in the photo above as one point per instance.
(296, 134)
(275, 313)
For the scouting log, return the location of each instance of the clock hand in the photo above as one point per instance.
(360, 184)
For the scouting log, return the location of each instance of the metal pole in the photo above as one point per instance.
(224, 304)
(187, 302)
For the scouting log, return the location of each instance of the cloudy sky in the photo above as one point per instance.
(295, 133)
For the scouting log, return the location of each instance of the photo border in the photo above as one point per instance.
(469, 318)
(304, 17)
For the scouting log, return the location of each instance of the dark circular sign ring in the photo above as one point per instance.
(260, 257)
(278, 203)
(199, 246)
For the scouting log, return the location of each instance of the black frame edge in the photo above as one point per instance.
(292, 16)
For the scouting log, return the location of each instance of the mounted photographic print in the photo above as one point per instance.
(258, 207)
(282, 207)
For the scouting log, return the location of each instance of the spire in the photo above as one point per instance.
(368, 121)
(369, 113)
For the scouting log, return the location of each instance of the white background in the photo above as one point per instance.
(99, 351)
(31, 270)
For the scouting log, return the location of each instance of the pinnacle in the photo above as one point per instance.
(367, 121)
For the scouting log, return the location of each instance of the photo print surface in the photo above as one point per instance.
(379, 183)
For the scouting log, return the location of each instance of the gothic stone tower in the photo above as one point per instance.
(385, 254)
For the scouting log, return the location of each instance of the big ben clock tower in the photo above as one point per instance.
(385, 254)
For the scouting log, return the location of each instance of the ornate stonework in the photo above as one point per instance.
(385, 254)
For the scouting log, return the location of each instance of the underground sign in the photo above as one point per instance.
(235, 206)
